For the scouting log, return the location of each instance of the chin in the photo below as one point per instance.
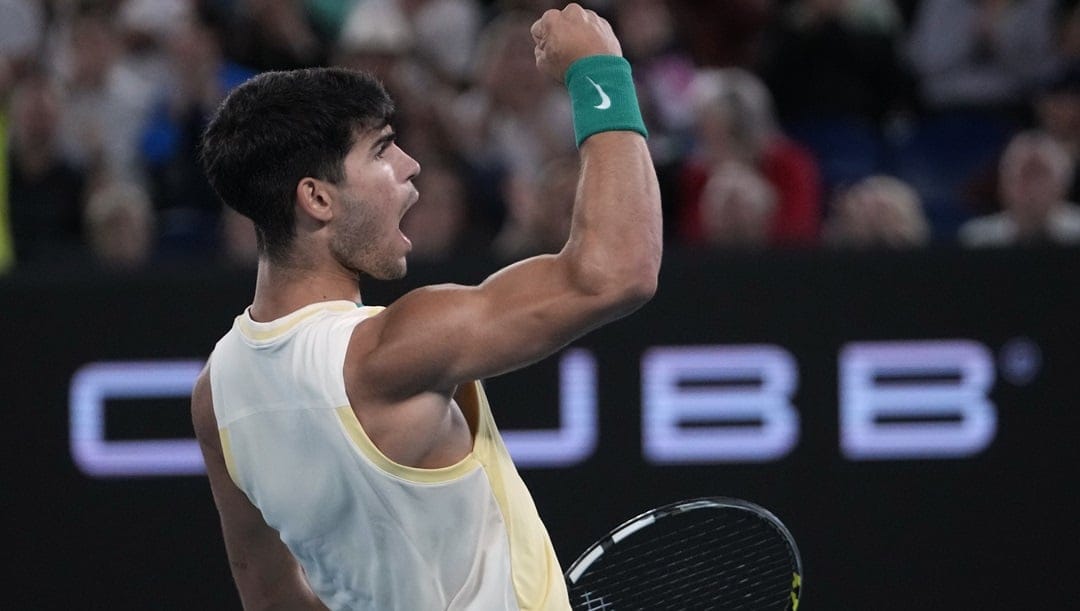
(391, 271)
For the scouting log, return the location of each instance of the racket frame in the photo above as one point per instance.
(595, 551)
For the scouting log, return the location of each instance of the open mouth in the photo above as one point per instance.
(412, 201)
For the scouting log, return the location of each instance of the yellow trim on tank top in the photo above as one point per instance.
(226, 452)
(368, 448)
(260, 332)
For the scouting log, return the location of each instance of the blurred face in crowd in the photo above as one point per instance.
(121, 225)
(880, 212)
(1033, 182)
(193, 47)
(714, 132)
(93, 47)
(645, 26)
(35, 112)
(508, 66)
(128, 240)
(732, 113)
(737, 207)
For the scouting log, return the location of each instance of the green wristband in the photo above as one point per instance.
(603, 96)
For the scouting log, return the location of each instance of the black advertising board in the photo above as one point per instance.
(911, 417)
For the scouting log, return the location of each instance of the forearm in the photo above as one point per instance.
(616, 235)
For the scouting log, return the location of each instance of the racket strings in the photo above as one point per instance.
(674, 556)
(703, 561)
(679, 585)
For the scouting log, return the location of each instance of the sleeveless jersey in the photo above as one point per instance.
(371, 533)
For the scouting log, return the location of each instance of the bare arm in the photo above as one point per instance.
(267, 576)
(436, 337)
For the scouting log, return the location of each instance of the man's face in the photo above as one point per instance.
(374, 196)
(1030, 189)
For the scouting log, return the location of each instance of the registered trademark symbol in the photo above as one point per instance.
(1020, 360)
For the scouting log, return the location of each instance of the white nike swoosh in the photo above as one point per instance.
(605, 101)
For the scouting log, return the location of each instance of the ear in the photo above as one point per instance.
(314, 198)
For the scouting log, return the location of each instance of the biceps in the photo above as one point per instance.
(442, 336)
(511, 328)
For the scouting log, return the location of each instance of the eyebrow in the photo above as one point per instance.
(384, 140)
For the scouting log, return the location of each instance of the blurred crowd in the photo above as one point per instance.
(850, 124)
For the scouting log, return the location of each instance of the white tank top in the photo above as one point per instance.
(371, 533)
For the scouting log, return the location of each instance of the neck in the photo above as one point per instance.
(282, 289)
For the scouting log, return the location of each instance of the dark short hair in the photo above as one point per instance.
(280, 127)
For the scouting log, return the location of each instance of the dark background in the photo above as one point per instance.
(995, 530)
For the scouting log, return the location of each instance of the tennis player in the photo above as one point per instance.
(350, 449)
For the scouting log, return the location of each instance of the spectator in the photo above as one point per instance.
(878, 212)
(981, 54)
(977, 61)
(737, 208)
(1034, 174)
(838, 79)
(120, 226)
(144, 27)
(540, 210)
(446, 35)
(1057, 110)
(274, 35)
(512, 120)
(46, 190)
(21, 25)
(378, 37)
(663, 71)
(838, 59)
(735, 121)
(723, 34)
(189, 213)
(105, 103)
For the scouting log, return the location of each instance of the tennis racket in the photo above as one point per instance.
(707, 553)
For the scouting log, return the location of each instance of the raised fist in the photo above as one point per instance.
(565, 36)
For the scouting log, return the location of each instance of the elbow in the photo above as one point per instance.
(630, 295)
(619, 288)
(639, 291)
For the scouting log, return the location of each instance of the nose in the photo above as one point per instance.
(411, 166)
